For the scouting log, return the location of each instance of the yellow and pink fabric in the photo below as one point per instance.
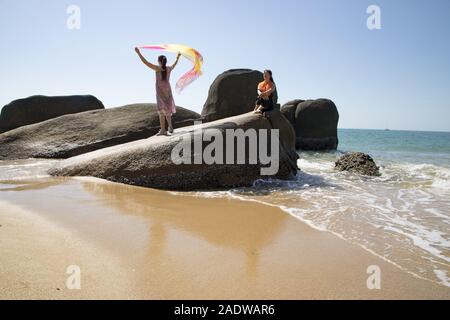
(189, 53)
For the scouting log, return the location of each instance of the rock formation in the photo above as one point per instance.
(74, 134)
(36, 109)
(315, 123)
(233, 92)
(176, 163)
(357, 162)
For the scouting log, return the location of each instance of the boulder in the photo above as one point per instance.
(315, 123)
(288, 109)
(357, 162)
(155, 162)
(232, 93)
(35, 109)
(74, 134)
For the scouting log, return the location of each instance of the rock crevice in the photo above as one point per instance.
(315, 123)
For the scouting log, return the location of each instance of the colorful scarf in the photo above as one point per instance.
(189, 53)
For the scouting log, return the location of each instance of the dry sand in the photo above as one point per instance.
(132, 242)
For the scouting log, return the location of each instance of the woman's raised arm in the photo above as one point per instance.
(176, 61)
(148, 64)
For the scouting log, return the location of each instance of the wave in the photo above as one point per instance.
(12, 170)
(402, 216)
(426, 175)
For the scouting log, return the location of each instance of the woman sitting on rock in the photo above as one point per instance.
(164, 98)
(266, 89)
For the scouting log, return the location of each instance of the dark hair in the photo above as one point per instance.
(269, 72)
(163, 61)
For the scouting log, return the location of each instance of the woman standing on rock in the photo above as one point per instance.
(266, 88)
(164, 98)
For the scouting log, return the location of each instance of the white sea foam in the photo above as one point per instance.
(437, 213)
(402, 216)
(441, 183)
(307, 165)
(425, 175)
(25, 169)
(443, 277)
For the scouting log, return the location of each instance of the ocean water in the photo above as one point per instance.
(403, 216)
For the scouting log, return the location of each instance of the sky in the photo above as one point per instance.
(395, 77)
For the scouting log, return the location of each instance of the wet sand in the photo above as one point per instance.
(137, 243)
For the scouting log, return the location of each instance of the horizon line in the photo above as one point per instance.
(387, 129)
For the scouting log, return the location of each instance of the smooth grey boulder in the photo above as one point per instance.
(357, 162)
(289, 108)
(315, 123)
(34, 109)
(154, 162)
(232, 93)
(74, 134)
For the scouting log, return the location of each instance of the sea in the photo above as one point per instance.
(402, 216)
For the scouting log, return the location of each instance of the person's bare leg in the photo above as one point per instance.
(162, 123)
(258, 109)
(169, 121)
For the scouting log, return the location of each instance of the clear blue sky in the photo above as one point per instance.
(396, 77)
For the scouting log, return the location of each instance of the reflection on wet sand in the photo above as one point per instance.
(197, 216)
(173, 236)
(156, 244)
(215, 221)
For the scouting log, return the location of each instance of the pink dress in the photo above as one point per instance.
(164, 99)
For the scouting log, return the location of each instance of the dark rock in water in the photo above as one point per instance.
(74, 134)
(315, 123)
(357, 162)
(289, 108)
(36, 109)
(232, 93)
(150, 162)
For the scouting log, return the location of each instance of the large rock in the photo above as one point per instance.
(150, 162)
(74, 134)
(315, 123)
(357, 162)
(289, 108)
(35, 109)
(232, 93)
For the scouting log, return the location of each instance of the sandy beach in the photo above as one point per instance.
(138, 243)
